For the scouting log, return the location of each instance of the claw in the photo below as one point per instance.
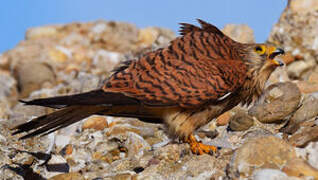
(200, 148)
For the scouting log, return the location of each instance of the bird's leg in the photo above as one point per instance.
(198, 147)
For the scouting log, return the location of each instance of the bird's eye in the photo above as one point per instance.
(260, 50)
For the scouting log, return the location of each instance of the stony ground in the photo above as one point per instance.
(273, 139)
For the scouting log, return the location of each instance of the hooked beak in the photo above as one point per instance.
(275, 53)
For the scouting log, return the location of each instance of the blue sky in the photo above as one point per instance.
(16, 16)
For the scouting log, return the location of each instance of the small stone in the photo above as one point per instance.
(68, 176)
(74, 38)
(4, 62)
(40, 32)
(264, 152)
(72, 68)
(99, 28)
(281, 99)
(56, 165)
(32, 75)
(223, 119)
(313, 78)
(97, 155)
(307, 87)
(256, 133)
(67, 150)
(307, 111)
(303, 6)
(106, 60)
(123, 176)
(62, 140)
(241, 33)
(306, 135)
(241, 121)
(8, 90)
(275, 93)
(189, 167)
(269, 174)
(310, 154)
(296, 68)
(170, 152)
(136, 145)
(119, 129)
(57, 55)
(165, 36)
(299, 168)
(147, 36)
(153, 140)
(116, 36)
(95, 122)
(138, 169)
(279, 75)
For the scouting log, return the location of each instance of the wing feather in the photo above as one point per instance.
(201, 66)
(182, 86)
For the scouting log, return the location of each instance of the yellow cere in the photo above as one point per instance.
(271, 49)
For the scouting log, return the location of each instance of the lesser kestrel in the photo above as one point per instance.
(200, 75)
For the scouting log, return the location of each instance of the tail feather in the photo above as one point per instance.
(96, 97)
(40, 121)
(56, 120)
(79, 106)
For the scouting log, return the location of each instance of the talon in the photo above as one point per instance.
(200, 148)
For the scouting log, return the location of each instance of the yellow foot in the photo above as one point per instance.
(200, 148)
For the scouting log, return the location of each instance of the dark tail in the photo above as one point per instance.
(96, 97)
(75, 108)
(56, 120)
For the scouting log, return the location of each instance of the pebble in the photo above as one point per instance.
(28, 81)
(281, 99)
(270, 174)
(95, 122)
(241, 33)
(305, 136)
(262, 152)
(241, 121)
(301, 6)
(307, 87)
(8, 90)
(295, 69)
(147, 36)
(40, 32)
(307, 110)
(299, 168)
(223, 119)
(68, 176)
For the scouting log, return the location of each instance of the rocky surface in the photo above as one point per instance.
(274, 139)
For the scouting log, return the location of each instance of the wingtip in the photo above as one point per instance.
(16, 131)
(23, 137)
(23, 101)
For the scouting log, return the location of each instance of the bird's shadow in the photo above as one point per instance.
(26, 171)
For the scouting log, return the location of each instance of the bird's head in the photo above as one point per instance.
(262, 60)
(263, 57)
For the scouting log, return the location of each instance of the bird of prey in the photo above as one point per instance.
(200, 75)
